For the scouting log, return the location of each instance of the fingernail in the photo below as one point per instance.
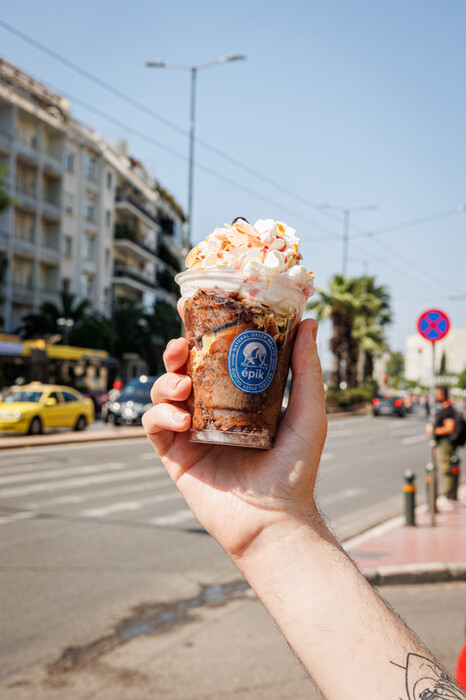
(178, 382)
(179, 418)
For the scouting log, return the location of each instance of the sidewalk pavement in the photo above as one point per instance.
(393, 553)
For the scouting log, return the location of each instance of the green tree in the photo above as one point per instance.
(371, 320)
(462, 379)
(395, 367)
(45, 323)
(359, 310)
(163, 324)
(93, 332)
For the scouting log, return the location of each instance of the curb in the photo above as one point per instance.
(429, 572)
(70, 438)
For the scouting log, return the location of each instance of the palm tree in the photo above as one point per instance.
(370, 324)
(359, 310)
(45, 323)
(339, 304)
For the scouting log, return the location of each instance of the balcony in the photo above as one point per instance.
(132, 204)
(127, 237)
(23, 241)
(50, 250)
(51, 206)
(23, 291)
(167, 281)
(4, 239)
(26, 195)
(26, 145)
(133, 279)
(6, 141)
(52, 162)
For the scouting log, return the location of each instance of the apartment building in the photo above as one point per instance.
(87, 219)
(32, 141)
(89, 188)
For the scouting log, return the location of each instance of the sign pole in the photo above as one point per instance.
(433, 465)
(433, 325)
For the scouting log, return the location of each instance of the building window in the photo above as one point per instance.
(67, 245)
(90, 209)
(69, 162)
(87, 284)
(89, 248)
(108, 218)
(65, 286)
(91, 167)
(107, 258)
(69, 203)
(109, 181)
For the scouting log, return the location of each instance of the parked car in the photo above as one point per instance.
(36, 407)
(388, 406)
(130, 405)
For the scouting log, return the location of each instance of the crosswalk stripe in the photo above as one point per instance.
(79, 482)
(62, 472)
(414, 438)
(145, 487)
(27, 515)
(129, 505)
(179, 516)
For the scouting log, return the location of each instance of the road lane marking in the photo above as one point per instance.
(63, 471)
(27, 515)
(414, 438)
(129, 505)
(341, 496)
(179, 516)
(76, 483)
(145, 487)
(339, 433)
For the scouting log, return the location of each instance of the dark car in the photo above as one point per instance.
(388, 406)
(128, 407)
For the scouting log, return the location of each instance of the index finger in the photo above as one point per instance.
(176, 354)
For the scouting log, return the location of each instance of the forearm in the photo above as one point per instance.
(343, 632)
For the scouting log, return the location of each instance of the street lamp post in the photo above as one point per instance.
(193, 70)
(347, 211)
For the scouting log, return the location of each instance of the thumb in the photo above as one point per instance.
(306, 407)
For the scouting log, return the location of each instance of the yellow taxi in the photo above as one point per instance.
(36, 407)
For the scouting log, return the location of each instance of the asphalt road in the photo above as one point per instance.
(89, 531)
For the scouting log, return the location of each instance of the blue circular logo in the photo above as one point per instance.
(252, 361)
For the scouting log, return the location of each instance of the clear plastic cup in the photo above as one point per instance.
(240, 327)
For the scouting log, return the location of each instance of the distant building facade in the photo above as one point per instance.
(418, 357)
(32, 146)
(87, 219)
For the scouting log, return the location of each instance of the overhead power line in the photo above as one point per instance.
(200, 166)
(163, 120)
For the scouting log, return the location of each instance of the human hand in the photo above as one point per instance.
(235, 492)
(429, 429)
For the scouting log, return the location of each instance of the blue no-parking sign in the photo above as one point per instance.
(433, 325)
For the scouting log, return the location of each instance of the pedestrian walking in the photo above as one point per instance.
(442, 431)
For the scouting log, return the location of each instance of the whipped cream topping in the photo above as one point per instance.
(269, 247)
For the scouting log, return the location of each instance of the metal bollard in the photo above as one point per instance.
(430, 481)
(409, 489)
(455, 471)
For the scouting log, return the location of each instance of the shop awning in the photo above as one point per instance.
(8, 348)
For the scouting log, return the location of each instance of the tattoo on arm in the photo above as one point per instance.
(425, 680)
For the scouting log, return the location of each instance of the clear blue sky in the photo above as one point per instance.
(350, 102)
